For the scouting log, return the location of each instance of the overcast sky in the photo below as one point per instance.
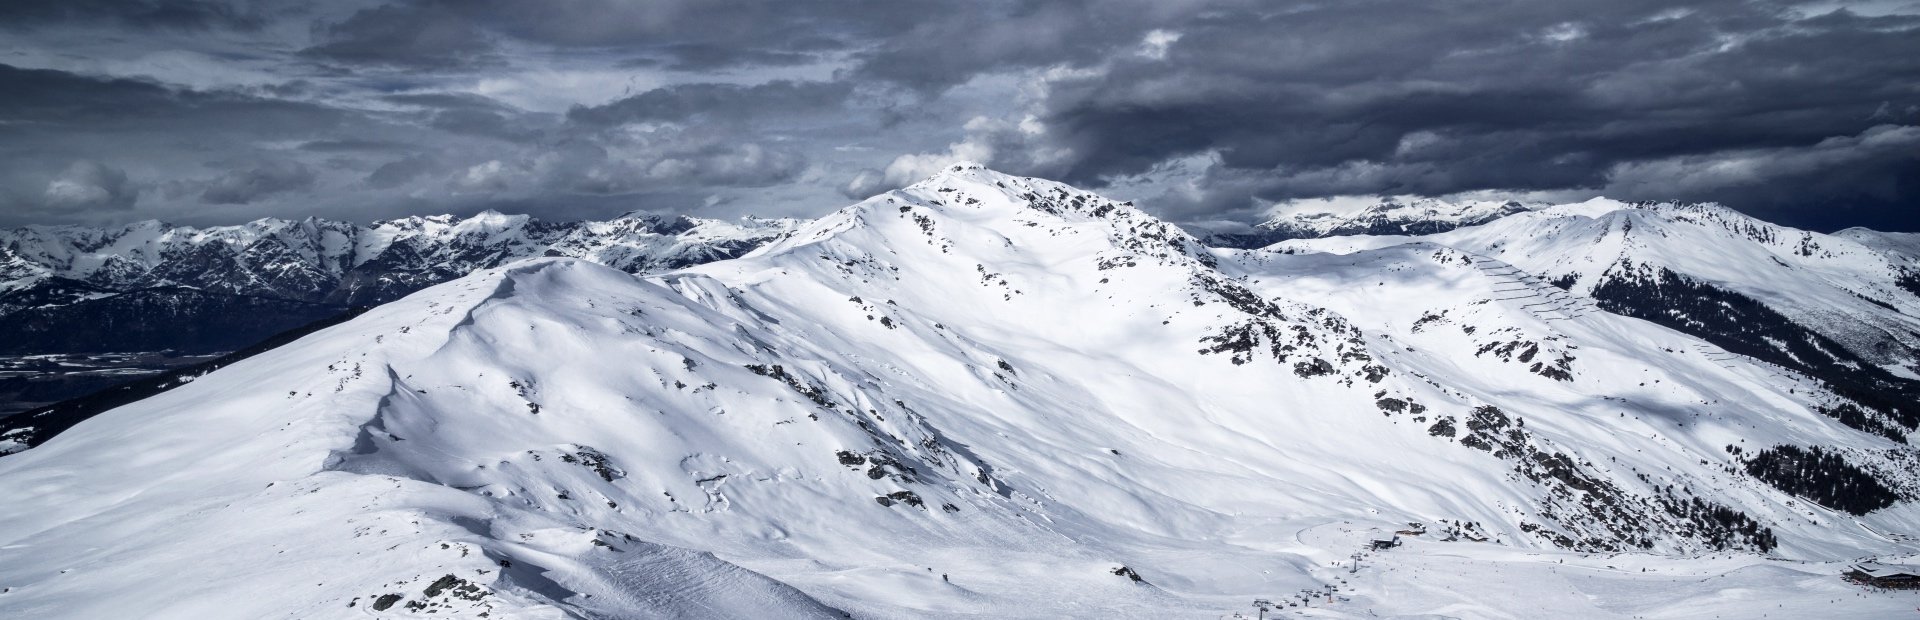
(220, 111)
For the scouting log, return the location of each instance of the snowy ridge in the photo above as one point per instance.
(981, 395)
(1405, 216)
(1826, 305)
(1901, 246)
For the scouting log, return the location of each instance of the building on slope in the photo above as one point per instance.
(1891, 576)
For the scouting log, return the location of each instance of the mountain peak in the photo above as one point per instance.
(492, 220)
(1006, 209)
(964, 172)
(963, 166)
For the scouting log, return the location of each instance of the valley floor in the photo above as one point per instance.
(30, 381)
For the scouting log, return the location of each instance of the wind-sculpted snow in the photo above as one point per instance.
(981, 395)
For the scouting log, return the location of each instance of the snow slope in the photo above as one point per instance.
(1829, 306)
(979, 396)
(1901, 246)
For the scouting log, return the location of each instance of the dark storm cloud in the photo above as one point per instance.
(91, 185)
(400, 171)
(969, 39)
(501, 124)
(1455, 96)
(112, 127)
(353, 146)
(1205, 108)
(1870, 179)
(44, 108)
(688, 34)
(59, 97)
(471, 114)
(250, 184)
(710, 57)
(672, 160)
(720, 102)
(179, 14)
(406, 34)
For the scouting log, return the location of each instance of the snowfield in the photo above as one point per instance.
(980, 396)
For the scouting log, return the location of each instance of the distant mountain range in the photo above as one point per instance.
(154, 286)
(1413, 216)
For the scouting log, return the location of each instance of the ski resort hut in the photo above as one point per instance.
(1891, 576)
(1383, 545)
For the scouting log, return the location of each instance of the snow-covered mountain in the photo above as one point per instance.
(979, 396)
(1903, 247)
(152, 285)
(1407, 216)
(1828, 306)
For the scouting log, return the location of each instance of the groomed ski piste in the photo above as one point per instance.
(980, 396)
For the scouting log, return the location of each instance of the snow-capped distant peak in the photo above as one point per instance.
(315, 260)
(1398, 216)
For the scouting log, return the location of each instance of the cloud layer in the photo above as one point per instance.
(213, 110)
